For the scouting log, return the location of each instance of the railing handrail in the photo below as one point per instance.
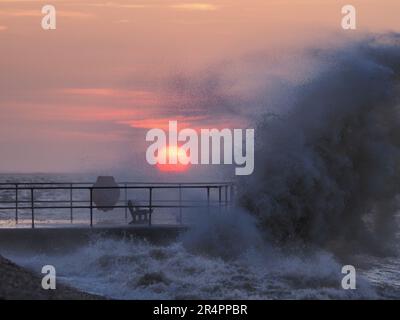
(37, 204)
(113, 187)
(123, 183)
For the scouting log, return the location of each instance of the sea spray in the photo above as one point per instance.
(327, 169)
(226, 233)
(133, 269)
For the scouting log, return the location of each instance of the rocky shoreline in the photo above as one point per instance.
(17, 283)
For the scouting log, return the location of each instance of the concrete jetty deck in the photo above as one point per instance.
(61, 238)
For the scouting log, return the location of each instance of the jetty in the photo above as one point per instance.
(87, 208)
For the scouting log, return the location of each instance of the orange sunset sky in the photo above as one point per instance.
(81, 97)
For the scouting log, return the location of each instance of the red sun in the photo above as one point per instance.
(173, 152)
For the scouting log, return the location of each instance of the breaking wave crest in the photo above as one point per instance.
(132, 269)
(327, 169)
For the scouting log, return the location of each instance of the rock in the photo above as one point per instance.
(17, 283)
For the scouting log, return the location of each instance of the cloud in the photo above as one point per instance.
(141, 97)
(162, 122)
(194, 6)
(122, 21)
(3, 28)
(120, 5)
(198, 6)
(38, 13)
(18, 1)
(94, 113)
(21, 1)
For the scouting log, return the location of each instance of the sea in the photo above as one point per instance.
(223, 255)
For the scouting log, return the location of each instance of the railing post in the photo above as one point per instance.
(91, 207)
(226, 196)
(33, 210)
(208, 199)
(180, 204)
(126, 203)
(150, 203)
(232, 195)
(16, 203)
(219, 197)
(71, 203)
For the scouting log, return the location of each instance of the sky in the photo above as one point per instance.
(81, 98)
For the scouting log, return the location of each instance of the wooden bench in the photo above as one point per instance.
(139, 215)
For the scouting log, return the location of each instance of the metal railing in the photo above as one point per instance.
(17, 197)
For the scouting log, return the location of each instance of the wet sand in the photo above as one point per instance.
(17, 283)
